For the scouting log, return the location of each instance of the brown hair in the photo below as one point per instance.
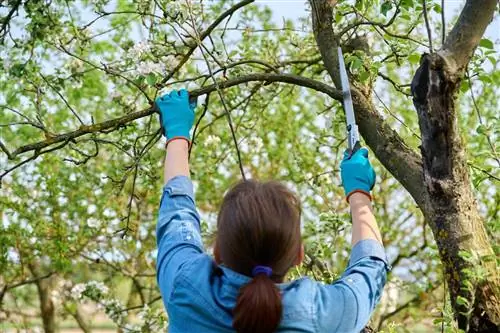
(259, 224)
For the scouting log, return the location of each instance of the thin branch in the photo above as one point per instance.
(204, 112)
(6, 151)
(62, 97)
(486, 172)
(116, 123)
(22, 283)
(221, 96)
(368, 22)
(204, 35)
(397, 86)
(476, 107)
(394, 116)
(443, 23)
(154, 300)
(35, 155)
(427, 25)
(6, 20)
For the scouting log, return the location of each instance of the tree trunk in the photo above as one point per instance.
(439, 179)
(46, 305)
(47, 309)
(451, 209)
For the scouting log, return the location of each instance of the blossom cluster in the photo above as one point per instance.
(151, 320)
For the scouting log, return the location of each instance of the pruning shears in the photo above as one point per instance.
(353, 144)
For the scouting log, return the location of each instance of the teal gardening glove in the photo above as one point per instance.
(357, 173)
(176, 114)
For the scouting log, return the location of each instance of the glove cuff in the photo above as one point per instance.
(358, 191)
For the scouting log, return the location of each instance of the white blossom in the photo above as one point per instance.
(139, 49)
(325, 178)
(93, 223)
(77, 65)
(257, 143)
(115, 94)
(98, 285)
(173, 7)
(114, 309)
(7, 64)
(78, 290)
(146, 67)
(91, 209)
(211, 140)
(131, 328)
(328, 121)
(169, 61)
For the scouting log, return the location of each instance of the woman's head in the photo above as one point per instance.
(259, 225)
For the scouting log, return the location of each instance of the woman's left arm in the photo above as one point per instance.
(178, 229)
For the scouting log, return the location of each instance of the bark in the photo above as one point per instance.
(451, 210)
(438, 179)
(47, 309)
(400, 160)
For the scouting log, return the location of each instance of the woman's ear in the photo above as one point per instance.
(217, 253)
(300, 255)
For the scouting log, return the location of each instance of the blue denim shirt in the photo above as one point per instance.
(199, 295)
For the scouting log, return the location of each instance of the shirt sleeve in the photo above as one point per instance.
(178, 233)
(347, 304)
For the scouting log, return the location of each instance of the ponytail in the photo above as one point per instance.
(258, 307)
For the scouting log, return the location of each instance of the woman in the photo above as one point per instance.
(258, 241)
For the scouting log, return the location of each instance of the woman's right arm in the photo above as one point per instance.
(364, 225)
(346, 305)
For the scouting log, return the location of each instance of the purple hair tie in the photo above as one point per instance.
(262, 270)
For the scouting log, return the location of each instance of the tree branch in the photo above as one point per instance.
(403, 162)
(111, 124)
(467, 32)
(204, 35)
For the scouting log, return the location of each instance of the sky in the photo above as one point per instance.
(293, 9)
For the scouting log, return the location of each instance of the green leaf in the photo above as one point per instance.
(364, 76)
(151, 79)
(462, 301)
(481, 129)
(464, 86)
(414, 58)
(486, 43)
(407, 3)
(386, 6)
(405, 17)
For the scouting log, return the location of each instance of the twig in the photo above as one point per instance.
(35, 155)
(204, 35)
(22, 283)
(396, 117)
(493, 150)
(427, 25)
(204, 112)
(490, 175)
(154, 300)
(115, 123)
(368, 22)
(6, 20)
(443, 23)
(62, 97)
(397, 86)
(219, 92)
